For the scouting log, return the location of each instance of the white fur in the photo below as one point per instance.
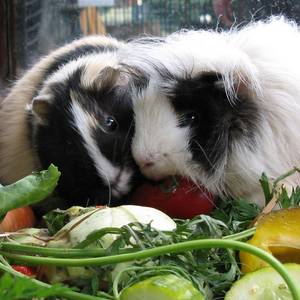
(168, 149)
(263, 58)
(83, 123)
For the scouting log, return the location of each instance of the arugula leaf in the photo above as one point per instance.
(277, 192)
(264, 182)
(287, 201)
(237, 214)
(211, 270)
(55, 220)
(23, 288)
(58, 218)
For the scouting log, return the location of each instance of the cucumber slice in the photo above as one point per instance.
(263, 284)
(163, 287)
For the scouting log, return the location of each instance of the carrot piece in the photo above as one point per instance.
(18, 218)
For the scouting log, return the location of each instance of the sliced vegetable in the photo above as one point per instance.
(264, 284)
(277, 233)
(178, 198)
(18, 218)
(164, 287)
(29, 190)
(93, 225)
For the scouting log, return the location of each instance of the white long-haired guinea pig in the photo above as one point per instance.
(221, 108)
(72, 109)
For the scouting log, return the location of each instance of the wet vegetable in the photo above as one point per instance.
(29, 190)
(277, 233)
(164, 287)
(264, 284)
(177, 197)
(18, 218)
(99, 225)
(25, 270)
(201, 250)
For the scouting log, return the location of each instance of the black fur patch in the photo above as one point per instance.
(202, 104)
(139, 79)
(59, 142)
(73, 55)
(65, 58)
(76, 53)
(147, 40)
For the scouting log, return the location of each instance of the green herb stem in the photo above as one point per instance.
(96, 235)
(58, 252)
(178, 247)
(3, 261)
(285, 175)
(117, 279)
(240, 235)
(66, 294)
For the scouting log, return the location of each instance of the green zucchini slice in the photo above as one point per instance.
(263, 284)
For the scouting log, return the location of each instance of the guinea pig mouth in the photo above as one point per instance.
(155, 176)
(155, 173)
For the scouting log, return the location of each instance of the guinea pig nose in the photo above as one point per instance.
(147, 163)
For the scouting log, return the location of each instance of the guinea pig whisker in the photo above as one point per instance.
(213, 165)
(126, 137)
(109, 190)
(173, 152)
(87, 202)
(197, 184)
(114, 154)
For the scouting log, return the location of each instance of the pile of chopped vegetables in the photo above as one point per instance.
(133, 252)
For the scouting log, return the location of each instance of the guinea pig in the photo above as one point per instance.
(72, 109)
(221, 108)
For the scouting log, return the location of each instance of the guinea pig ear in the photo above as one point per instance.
(107, 78)
(235, 87)
(40, 106)
(135, 77)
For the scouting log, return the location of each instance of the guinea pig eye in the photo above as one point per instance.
(111, 124)
(188, 119)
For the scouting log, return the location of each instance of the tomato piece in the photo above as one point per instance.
(25, 270)
(177, 197)
(277, 233)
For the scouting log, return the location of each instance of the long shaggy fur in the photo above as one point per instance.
(17, 157)
(73, 109)
(257, 72)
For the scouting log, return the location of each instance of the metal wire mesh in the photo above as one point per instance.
(42, 25)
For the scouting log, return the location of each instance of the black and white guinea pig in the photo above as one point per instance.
(221, 108)
(72, 109)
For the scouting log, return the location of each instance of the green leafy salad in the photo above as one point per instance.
(139, 253)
